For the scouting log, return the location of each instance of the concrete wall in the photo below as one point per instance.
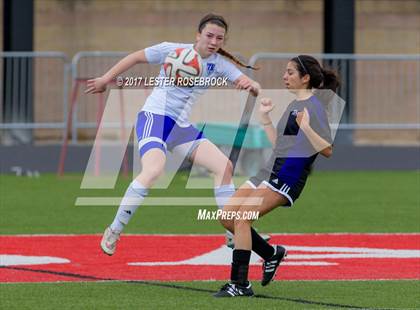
(276, 26)
(387, 27)
(72, 26)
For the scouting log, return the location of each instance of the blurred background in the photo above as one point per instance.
(51, 47)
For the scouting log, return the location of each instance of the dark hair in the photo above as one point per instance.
(320, 78)
(221, 22)
(213, 19)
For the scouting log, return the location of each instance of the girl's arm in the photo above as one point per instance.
(98, 85)
(266, 107)
(244, 82)
(322, 146)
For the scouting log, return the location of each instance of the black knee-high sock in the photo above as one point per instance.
(240, 265)
(260, 246)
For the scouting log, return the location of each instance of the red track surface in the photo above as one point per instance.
(333, 257)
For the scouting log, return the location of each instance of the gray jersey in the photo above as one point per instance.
(293, 153)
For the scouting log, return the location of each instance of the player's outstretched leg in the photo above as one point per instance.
(209, 156)
(222, 194)
(153, 163)
(132, 199)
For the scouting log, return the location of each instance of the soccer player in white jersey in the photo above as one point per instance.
(163, 123)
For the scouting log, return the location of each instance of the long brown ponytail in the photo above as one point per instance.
(331, 80)
(221, 22)
(234, 59)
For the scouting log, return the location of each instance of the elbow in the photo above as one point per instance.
(273, 140)
(327, 152)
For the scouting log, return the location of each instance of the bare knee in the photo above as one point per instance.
(225, 172)
(150, 175)
(154, 172)
(153, 166)
(229, 168)
(227, 224)
(228, 210)
(241, 224)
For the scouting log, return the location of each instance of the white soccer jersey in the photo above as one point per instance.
(177, 102)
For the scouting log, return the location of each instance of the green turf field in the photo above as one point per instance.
(197, 295)
(331, 202)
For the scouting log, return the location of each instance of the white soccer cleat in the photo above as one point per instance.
(109, 241)
(229, 241)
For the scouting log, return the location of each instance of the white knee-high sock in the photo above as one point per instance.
(222, 194)
(133, 197)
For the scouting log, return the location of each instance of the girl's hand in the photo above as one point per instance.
(266, 106)
(249, 85)
(95, 86)
(255, 88)
(303, 118)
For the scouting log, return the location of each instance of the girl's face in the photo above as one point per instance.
(292, 79)
(210, 40)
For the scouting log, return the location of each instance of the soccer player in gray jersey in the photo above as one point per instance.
(167, 111)
(302, 133)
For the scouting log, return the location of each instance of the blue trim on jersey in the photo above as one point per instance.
(162, 132)
(292, 169)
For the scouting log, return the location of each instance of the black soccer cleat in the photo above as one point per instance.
(270, 266)
(234, 290)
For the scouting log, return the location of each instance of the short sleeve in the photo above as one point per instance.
(156, 54)
(228, 70)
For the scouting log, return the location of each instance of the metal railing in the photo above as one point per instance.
(382, 90)
(33, 90)
(87, 65)
(46, 73)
